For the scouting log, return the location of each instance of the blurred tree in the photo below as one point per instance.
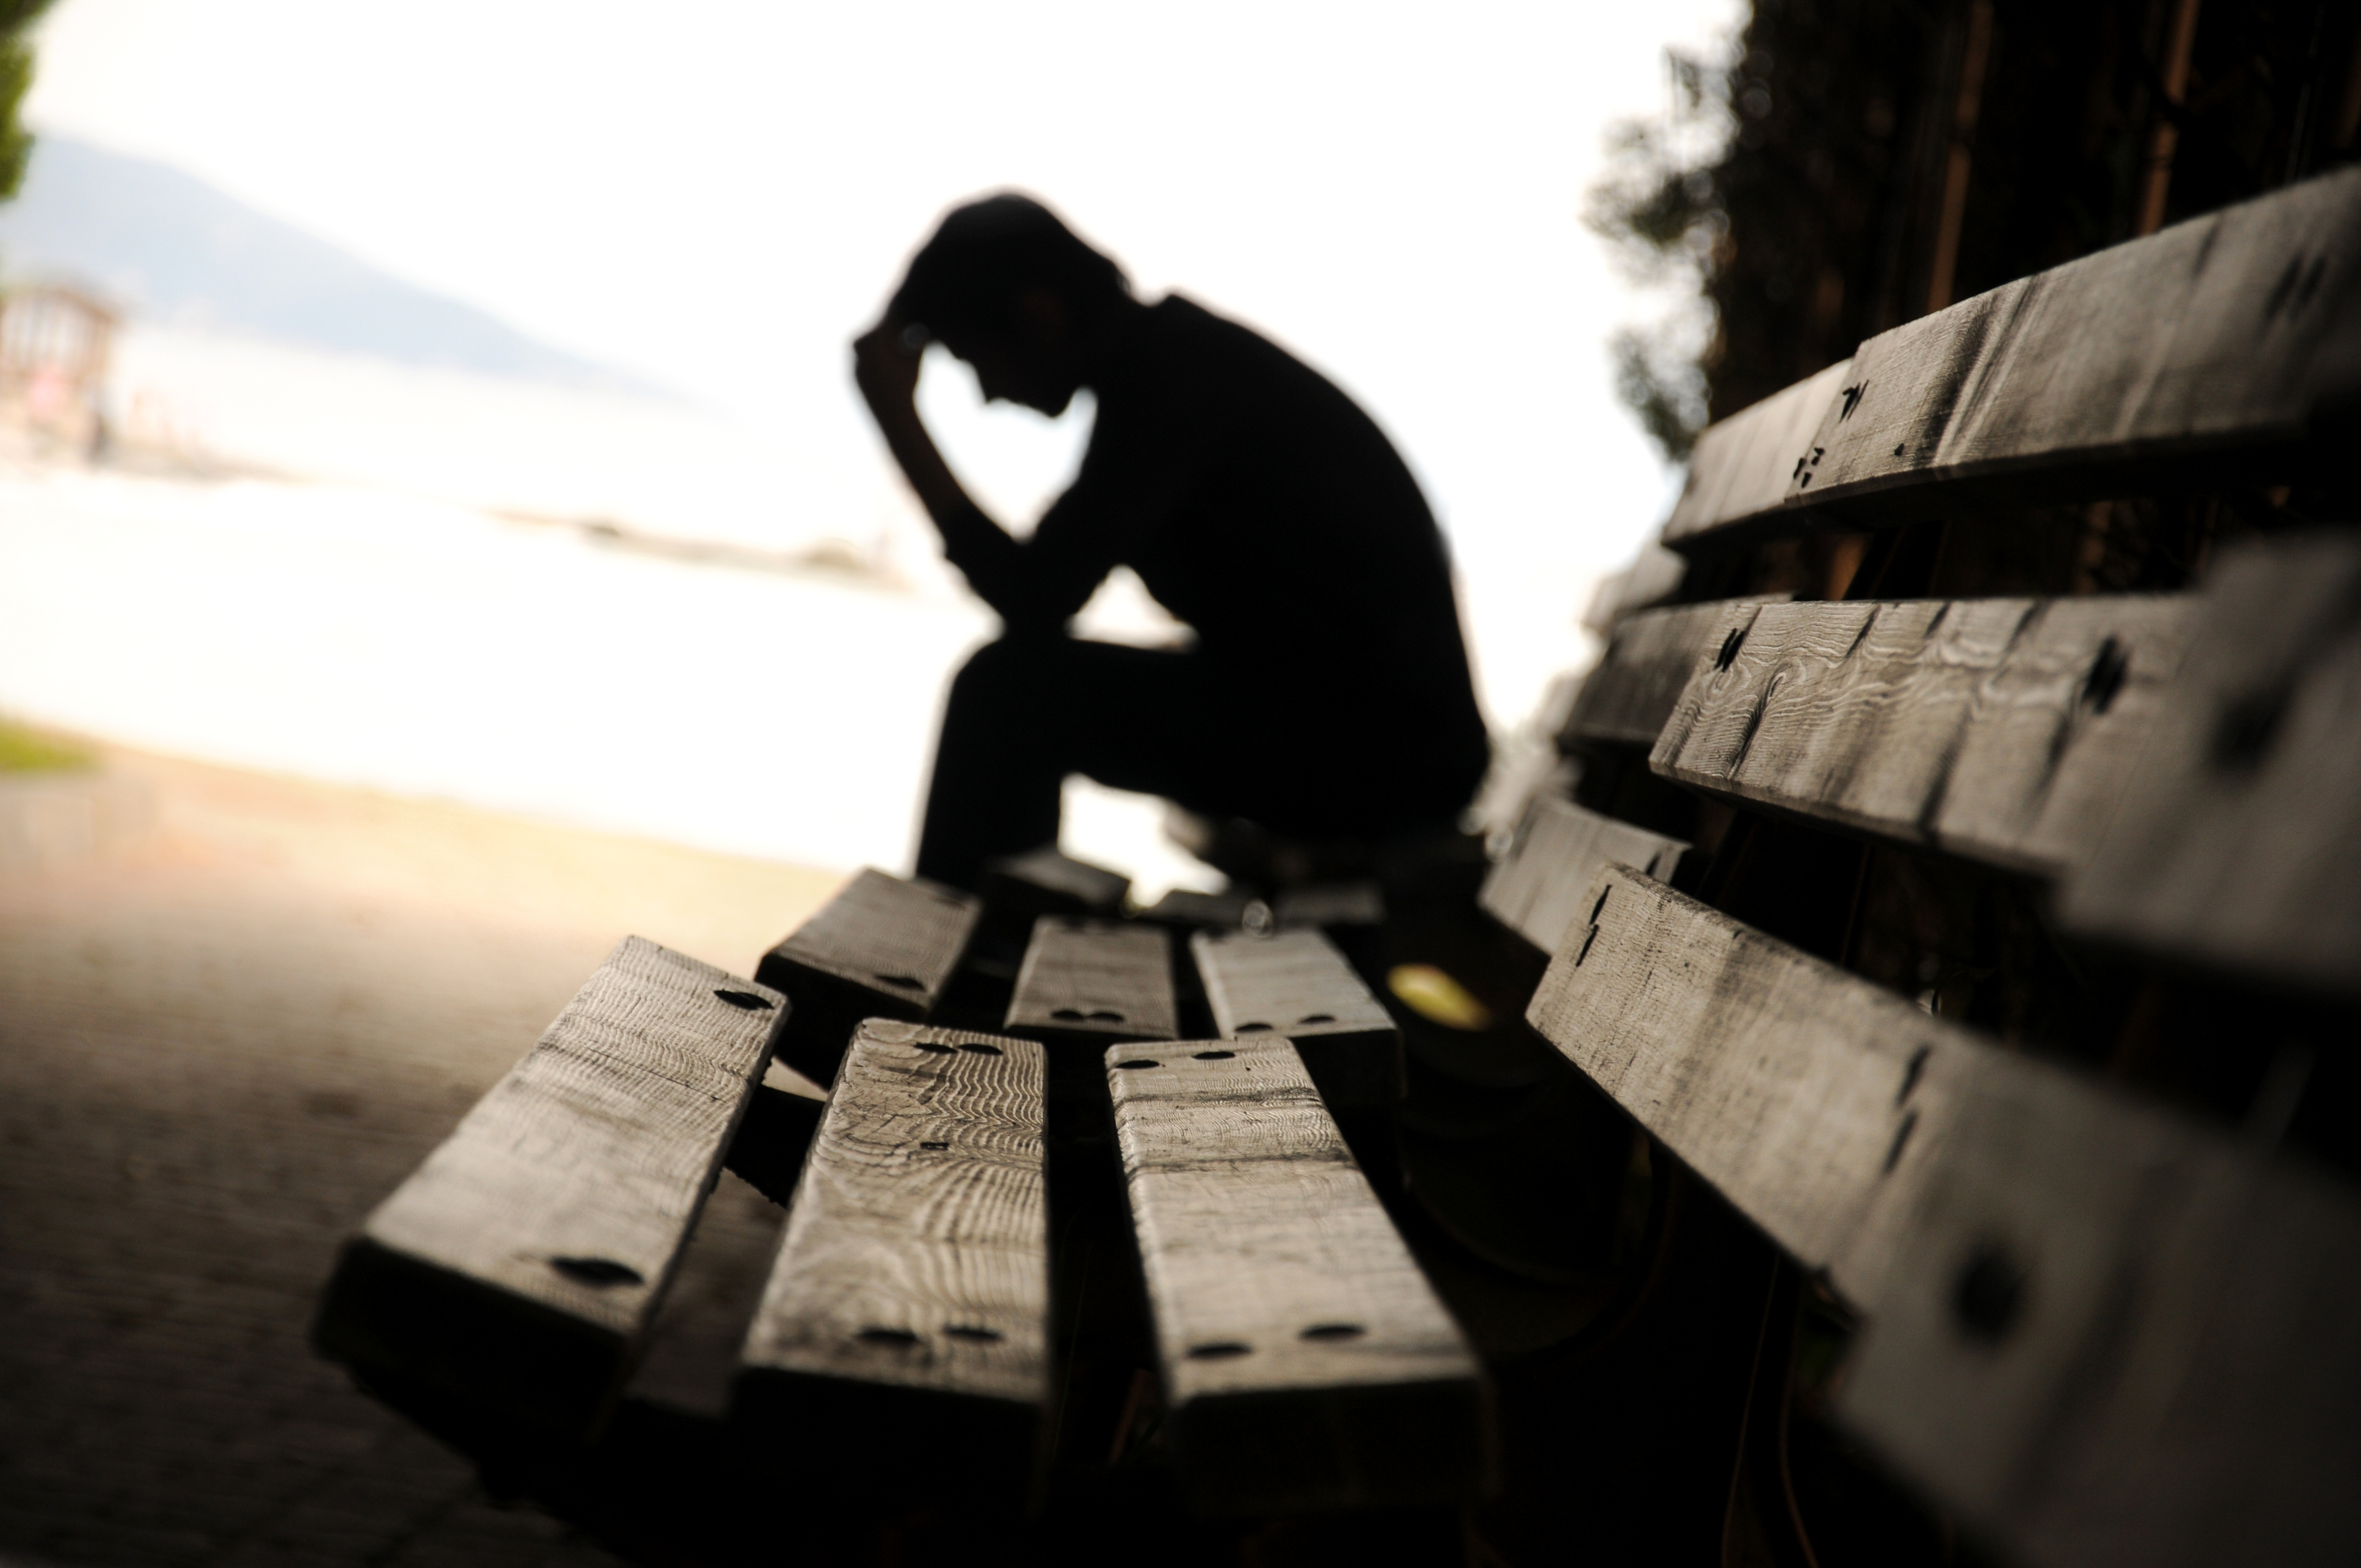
(16, 18)
(1658, 210)
(1849, 165)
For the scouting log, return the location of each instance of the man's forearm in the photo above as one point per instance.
(922, 463)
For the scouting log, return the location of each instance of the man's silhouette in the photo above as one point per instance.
(1327, 696)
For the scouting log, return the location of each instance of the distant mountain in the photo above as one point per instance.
(174, 248)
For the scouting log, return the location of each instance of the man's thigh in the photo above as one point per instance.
(1215, 739)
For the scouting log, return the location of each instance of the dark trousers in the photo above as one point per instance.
(1307, 761)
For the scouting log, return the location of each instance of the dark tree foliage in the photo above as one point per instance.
(1853, 120)
(16, 18)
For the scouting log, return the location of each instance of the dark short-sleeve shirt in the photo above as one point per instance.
(1262, 507)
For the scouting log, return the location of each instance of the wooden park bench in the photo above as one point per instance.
(1897, 1103)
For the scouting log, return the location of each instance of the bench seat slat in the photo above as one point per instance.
(2241, 850)
(520, 1268)
(882, 948)
(910, 1299)
(1306, 1363)
(2079, 1307)
(1537, 888)
(1297, 986)
(2003, 729)
(1085, 980)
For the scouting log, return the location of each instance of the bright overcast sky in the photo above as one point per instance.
(720, 195)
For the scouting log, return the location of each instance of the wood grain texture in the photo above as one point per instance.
(910, 1299)
(1046, 882)
(1627, 698)
(1296, 985)
(2001, 730)
(1541, 886)
(2241, 848)
(1780, 1079)
(2101, 1331)
(519, 1268)
(1094, 979)
(1742, 467)
(882, 948)
(1306, 1362)
(2232, 336)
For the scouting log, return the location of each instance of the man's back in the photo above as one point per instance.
(1261, 505)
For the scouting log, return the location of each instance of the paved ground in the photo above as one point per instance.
(217, 1051)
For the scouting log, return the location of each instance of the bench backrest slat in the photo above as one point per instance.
(2223, 337)
(1653, 994)
(1626, 699)
(1537, 888)
(2242, 847)
(520, 1268)
(2003, 729)
(882, 948)
(1296, 985)
(910, 1297)
(1306, 1362)
(2039, 1260)
(1744, 466)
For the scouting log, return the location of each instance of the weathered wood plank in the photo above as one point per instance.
(1627, 698)
(2001, 730)
(910, 1299)
(2242, 847)
(1047, 882)
(2108, 1335)
(1094, 980)
(2227, 339)
(1306, 1363)
(2077, 1304)
(1539, 887)
(1296, 985)
(882, 948)
(519, 1268)
(1654, 576)
(1783, 1081)
(1740, 472)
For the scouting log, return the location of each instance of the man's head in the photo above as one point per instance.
(1009, 289)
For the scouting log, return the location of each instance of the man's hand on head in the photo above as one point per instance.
(885, 361)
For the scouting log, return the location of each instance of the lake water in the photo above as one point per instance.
(424, 616)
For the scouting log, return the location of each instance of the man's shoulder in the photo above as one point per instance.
(1179, 320)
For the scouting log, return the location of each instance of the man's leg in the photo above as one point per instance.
(1224, 742)
(1022, 715)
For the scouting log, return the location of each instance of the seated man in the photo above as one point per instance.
(1327, 696)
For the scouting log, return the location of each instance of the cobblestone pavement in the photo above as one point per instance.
(217, 1051)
